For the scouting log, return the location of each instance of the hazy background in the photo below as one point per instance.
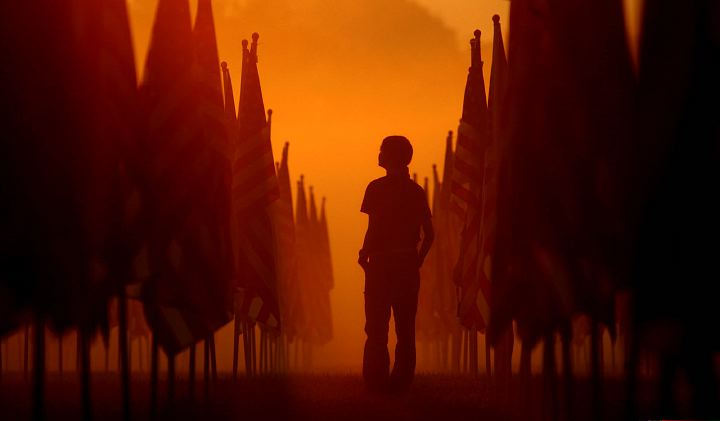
(340, 75)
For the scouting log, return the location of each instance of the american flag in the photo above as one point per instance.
(254, 188)
(322, 278)
(496, 103)
(185, 185)
(289, 292)
(466, 190)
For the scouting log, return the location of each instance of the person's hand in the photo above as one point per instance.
(363, 259)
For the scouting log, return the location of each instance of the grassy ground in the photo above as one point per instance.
(336, 397)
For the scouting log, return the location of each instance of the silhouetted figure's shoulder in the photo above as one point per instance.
(385, 181)
(394, 192)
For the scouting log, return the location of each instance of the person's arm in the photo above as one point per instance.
(366, 207)
(363, 253)
(428, 237)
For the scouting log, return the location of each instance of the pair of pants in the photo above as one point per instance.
(391, 283)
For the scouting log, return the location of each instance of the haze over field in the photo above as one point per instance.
(340, 75)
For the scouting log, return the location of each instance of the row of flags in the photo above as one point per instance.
(526, 211)
(162, 190)
(456, 289)
(579, 179)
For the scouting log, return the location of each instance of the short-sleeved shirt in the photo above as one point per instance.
(397, 207)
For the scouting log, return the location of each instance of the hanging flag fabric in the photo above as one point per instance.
(674, 178)
(185, 294)
(428, 329)
(496, 104)
(215, 261)
(325, 278)
(328, 279)
(447, 225)
(559, 219)
(254, 189)
(289, 292)
(466, 187)
(61, 160)
(304, 256)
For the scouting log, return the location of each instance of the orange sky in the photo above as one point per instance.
(340, 75)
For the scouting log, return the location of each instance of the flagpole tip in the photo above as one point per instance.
(269, 112)
(477, 33)
(496, 18)
(223, 65)
(255, 36)
(244, 43)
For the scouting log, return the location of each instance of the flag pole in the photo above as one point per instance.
(26, 351)
(246, 348)
(213, 358)
(191, 373)
(39, 371)
(85, 374)
(60, 354)
(236, 337)
(568, 386)
(171, 380)
(153, 378)
(550, 400)
(595, 361)
(106, 347)
(263, 351)
(465, 347)
(488, 363)
(253, 344)
(123, 352)
(525, 359)
(206, 368)
(473, 350)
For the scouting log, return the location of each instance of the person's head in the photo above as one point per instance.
(395, 152)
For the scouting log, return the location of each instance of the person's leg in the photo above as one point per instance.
(376, 360)
(405, 300)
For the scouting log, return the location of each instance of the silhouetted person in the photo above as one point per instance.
(397, 208)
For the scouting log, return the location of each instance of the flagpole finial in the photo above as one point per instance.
(475, 60)
(254, 45)
(450, 133)
(496, 19)
(245, 51)
(223, 65)
(269, 113)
